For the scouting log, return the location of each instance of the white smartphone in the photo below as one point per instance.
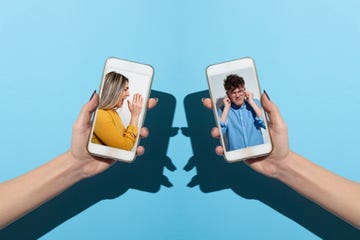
(123, 95)
(235, 93)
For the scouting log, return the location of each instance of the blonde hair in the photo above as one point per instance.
(114, 85)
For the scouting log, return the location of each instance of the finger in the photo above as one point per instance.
(141, 100)
(138, 99)
(137, 96)
(272, 110)
(253, 161)
(140, 150)
(134, 98)
(129, 105)
(87, 110)
(152, 102)
(219, 150)
(144, 132)
(93, 103)
(207, 103)
(215, 133)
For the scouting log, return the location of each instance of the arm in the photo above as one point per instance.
(223, 125)
(114, 134)
(334, 193)
(225, 112)
(135, 109)
(24, 193)
(255, 105)
(250, 99)
(20, 195)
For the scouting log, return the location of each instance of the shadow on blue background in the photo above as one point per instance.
(214, 174)
(145, 174)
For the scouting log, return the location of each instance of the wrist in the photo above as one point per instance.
(134, 121)
(251, 101)
(285, 166)
(77, 168)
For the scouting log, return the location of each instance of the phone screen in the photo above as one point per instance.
(124, 91)
(235, 92)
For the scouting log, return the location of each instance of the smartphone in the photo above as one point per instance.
(235, 94)
(124, 91)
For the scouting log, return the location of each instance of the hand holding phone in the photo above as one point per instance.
(240, 118)
(227, 102)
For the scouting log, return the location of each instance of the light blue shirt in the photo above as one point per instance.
(242, 128)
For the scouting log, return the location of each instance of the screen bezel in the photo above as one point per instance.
(229, 68)
(120, 65)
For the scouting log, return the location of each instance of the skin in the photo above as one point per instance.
(124, 95)
(238, 96)
(333, 192)
(18, 197)
(135, 106)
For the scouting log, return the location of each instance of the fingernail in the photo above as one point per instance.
(92, 95)
(267, 95)
(156, 99)
(202, 100)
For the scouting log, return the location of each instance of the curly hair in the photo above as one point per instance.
(232, 82)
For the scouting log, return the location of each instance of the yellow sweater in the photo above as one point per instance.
(110, 131)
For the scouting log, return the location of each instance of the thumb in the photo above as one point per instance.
(271, 109)
(87, 110)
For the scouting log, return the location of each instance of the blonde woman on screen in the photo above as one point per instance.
(109, 129)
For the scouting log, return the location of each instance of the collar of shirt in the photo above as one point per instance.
(238, 107)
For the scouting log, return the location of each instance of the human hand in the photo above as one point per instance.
(136, 106)
(268, 165)
(249, 96)
(88, 164)
(227, 102)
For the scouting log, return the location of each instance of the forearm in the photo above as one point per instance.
(24, 193)
(224, 114)
(134, 120)
(256, 109)
(336, 194)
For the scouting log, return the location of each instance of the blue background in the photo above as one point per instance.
(51, 60)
